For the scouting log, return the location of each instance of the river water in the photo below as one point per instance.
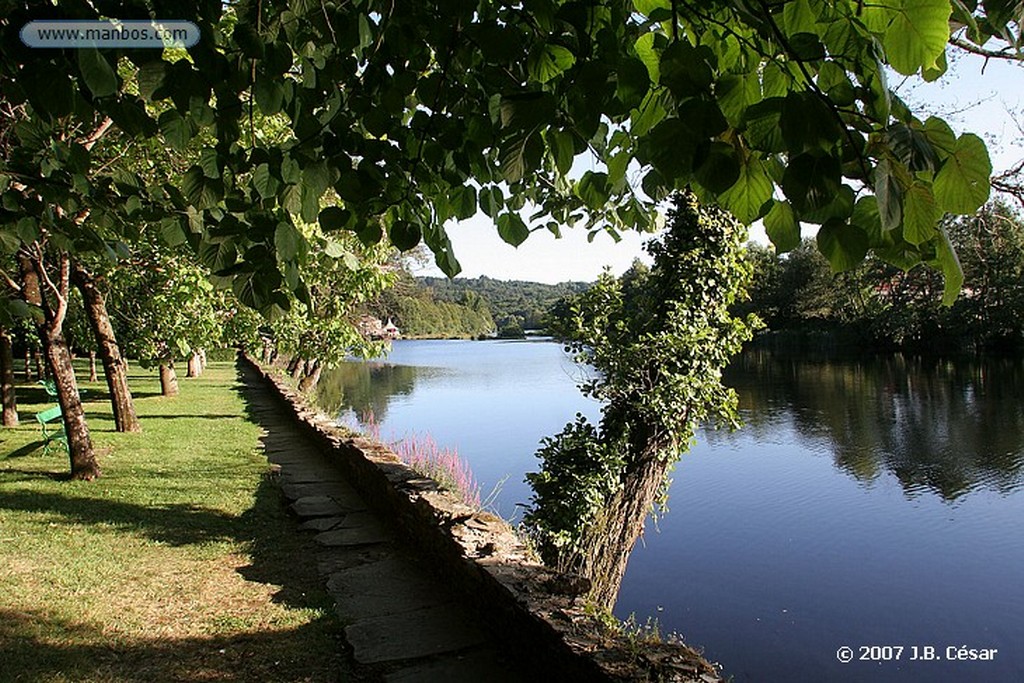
(872, 504)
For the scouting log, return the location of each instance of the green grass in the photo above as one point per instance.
(179, 563)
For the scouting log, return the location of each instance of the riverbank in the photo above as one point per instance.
(530, 607)
(178, 564)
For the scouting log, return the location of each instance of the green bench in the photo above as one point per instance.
(51, 421)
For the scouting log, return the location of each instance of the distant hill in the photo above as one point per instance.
(515, 305)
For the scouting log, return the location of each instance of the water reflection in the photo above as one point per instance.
(365, 388)
(940, 426)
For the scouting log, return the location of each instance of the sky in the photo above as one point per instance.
(973, 96)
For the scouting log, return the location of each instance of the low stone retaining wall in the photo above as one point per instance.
(536, 610)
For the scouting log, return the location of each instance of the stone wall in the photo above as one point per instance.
(536, 610)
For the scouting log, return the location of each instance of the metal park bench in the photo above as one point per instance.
(51, 421)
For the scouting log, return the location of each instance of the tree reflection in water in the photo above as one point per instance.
(939, 425)
(366, 388)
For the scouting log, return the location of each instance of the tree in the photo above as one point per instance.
(342, 276)
(421, 113)
(8, 400)
(115, 370)
(48, 295)
(657, 340)
(165, 307)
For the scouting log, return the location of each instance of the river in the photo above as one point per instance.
(872, 504)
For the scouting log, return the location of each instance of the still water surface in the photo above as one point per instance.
(864, 503)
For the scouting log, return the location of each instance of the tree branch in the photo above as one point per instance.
(90, 141)
(982, 52)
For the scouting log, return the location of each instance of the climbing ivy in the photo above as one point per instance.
(657, 341)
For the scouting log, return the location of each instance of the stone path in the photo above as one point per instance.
(400, 620)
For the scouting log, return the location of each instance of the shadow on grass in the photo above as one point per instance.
(34, 646)
(176, 524)
(38, 646)
(27, 449)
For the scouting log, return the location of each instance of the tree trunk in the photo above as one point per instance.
(202, 361)
(298, 369)
(115, 369)
(40, 368)
(195, 366)
(92, 367)
(83, 458)
(58, 358)
(10, 403)
(28, 364)
(311, 377)
(616, 531)
(168, 378)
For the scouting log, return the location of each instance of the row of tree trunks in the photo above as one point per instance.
(10, 405)
(114, 367)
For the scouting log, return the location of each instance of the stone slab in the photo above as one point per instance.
(421, 633)
(361, 535)
(320, 524)
(335, 559)
(295, 491)
(481, 665)
(390, 586)
(317, 506)
(310, 475)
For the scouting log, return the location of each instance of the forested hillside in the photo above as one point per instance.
(417, 312)
(515, 305)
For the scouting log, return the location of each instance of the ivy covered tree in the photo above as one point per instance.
(657, 341)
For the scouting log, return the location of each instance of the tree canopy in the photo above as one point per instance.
(403, 117)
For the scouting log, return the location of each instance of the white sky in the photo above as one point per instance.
(972, 97)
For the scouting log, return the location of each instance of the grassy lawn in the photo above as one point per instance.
(179, 564)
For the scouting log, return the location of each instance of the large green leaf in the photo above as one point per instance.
(463, 201)
(269, 95)
(962, 184)
(512, 229)
(333, 218)
(592, 188)
(889, 195)
(547, 61)
(492, 201)
(177, 131)
(669, 147)
(404, 234)
(917, 34)
(949, 264)
(842, 244)
(811, 181)
(753, 188)
(632, 82)
(200, 191)
(96, 70)
(287, 240)
(684, 69)
(265, 182)
(920, 214)
(782, 227)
